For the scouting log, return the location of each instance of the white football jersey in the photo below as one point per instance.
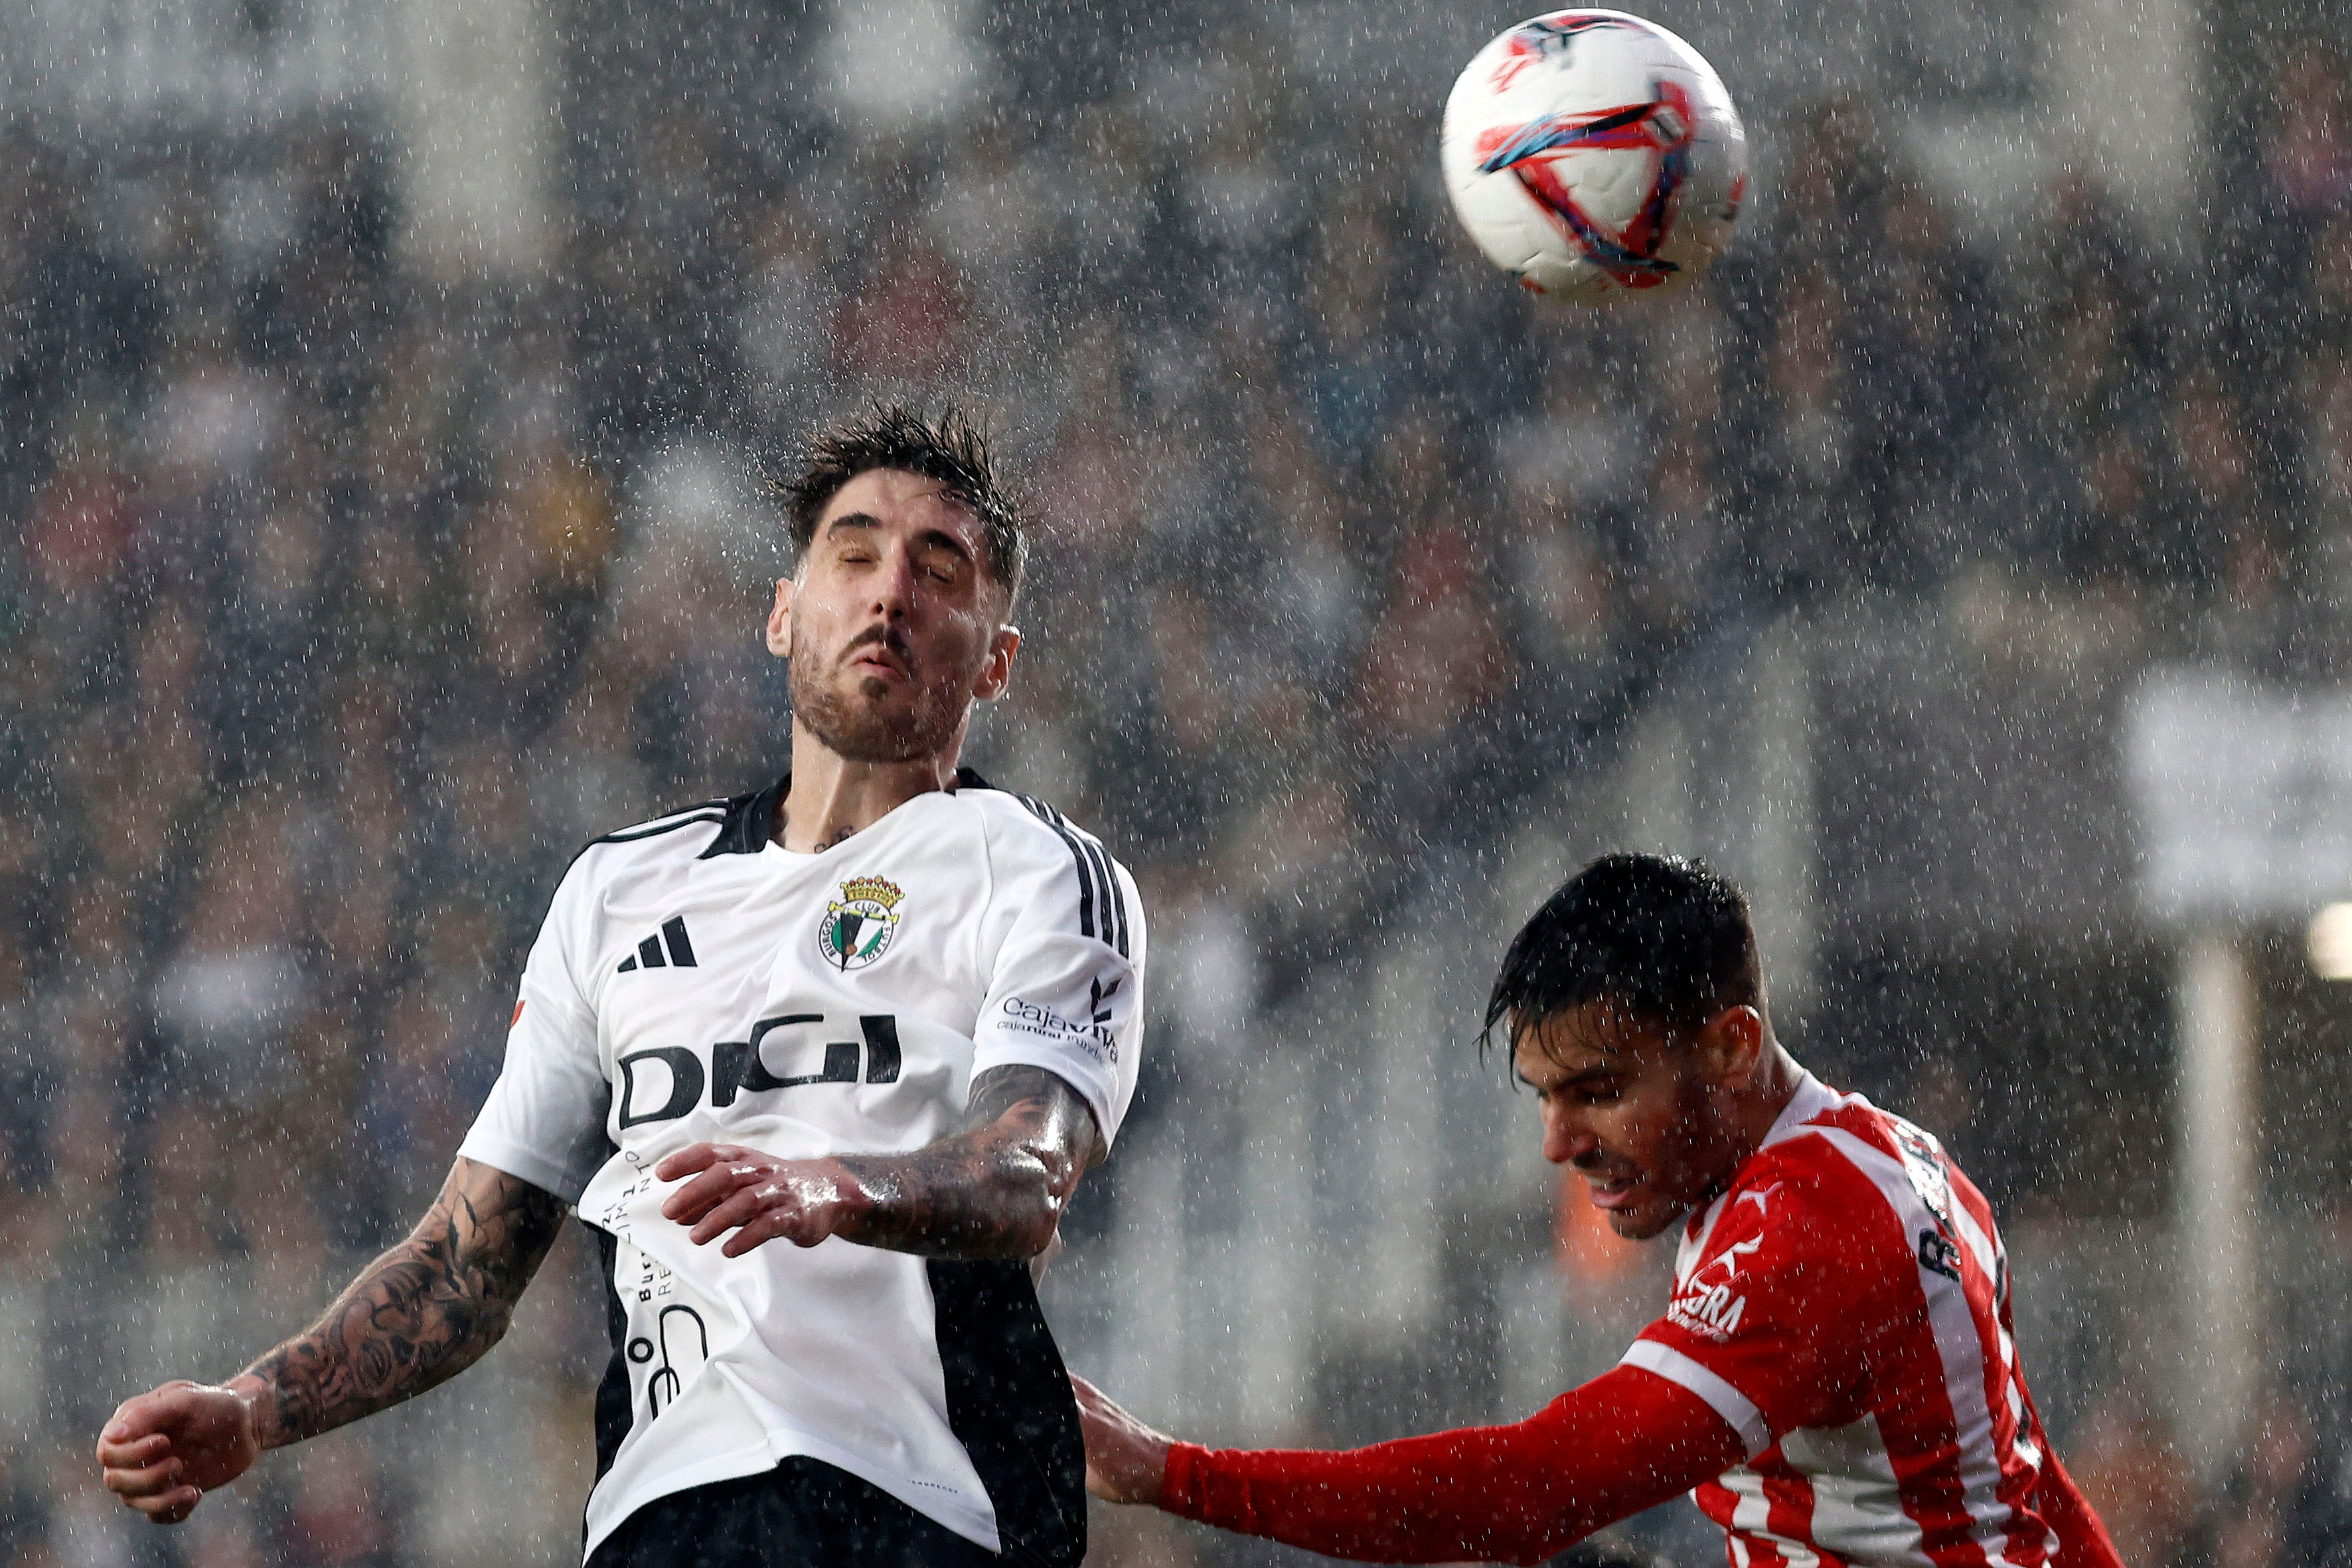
(695, 980)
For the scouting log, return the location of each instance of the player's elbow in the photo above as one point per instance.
(1030, 1221)
(1024, 1210)
(1031, 1194)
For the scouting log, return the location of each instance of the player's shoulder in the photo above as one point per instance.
(1031, 842)
(1845, 1172)
(725, 825)
(1827, 1156)
(1026, 827)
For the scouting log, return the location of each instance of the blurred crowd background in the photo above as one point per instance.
(344, 592)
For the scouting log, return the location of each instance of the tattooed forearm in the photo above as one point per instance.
(995, 1190)
(418, 1315)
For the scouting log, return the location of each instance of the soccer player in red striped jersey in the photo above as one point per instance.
(1834, 1378)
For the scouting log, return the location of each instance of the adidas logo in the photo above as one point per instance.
(649, 953)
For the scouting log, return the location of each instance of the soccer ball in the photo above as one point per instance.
(1594, 156)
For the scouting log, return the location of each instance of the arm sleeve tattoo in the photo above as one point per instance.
(996, 1189)
(421, 1313)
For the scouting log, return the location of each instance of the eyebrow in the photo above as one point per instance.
(1603, 1070)
(940, 537)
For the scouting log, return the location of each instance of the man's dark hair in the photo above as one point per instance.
(950, 449)
(1664, 938)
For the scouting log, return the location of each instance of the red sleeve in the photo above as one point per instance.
(1624, 1442)
(1776, 1328)
(2083, 1539)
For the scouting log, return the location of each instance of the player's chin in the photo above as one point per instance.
(1648, 1217)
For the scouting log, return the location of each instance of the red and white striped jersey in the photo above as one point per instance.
(1844, 1306)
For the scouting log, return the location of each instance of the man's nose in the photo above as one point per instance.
(1566, 1140)
(894, 585)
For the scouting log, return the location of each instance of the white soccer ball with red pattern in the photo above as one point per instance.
(1594, 156)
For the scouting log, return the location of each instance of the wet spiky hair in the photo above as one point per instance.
(1665, 938)
(950, 449)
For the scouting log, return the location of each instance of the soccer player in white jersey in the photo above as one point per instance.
(819, 1067)
(1834, 1378)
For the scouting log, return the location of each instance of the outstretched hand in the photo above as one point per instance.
(1125, 1459)
(758, 1196)
(162, 1450)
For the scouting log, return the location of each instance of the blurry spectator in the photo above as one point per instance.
(2114, 540)
(1310, 873)
(1435, 662)
(783, 330)
(2311, 149)
(2331, 283)
(2280, 1508)
(908, 325)
(184, 1225)
(1314, 575)
(78, 533)
(1353, 377)
(29, 1069)
(1808, 508)
(233, 983)
(2134, 1477)
(1568, 631)
(2327, 480)
(1587, 442)
(1435, 654)
(336, 1517)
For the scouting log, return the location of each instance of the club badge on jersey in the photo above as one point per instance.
(859, 926)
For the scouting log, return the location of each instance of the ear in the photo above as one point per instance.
(1732, 1046)
(997, 674)
(780, 620)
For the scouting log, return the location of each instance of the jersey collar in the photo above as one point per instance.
(1812, 1097)
(750, 819)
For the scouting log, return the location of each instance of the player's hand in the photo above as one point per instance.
(1125, 1460)
(758, 1196)
(163, 1450)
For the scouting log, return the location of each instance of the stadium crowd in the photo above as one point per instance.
(338, 604)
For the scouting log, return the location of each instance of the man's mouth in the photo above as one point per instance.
(875, 657)
(1615, 1192)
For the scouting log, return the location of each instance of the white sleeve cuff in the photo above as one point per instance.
(1738, 1410)
(1091, 1086)
(524, 1164)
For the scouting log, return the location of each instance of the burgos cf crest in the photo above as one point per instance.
(858, 929)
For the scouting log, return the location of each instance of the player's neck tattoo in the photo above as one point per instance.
(783, 826)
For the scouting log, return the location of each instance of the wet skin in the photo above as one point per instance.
(1656, 1127)
(894, 628)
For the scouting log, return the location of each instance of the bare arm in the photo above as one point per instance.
(996, 1189)
(417, 1316)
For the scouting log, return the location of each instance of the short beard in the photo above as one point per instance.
(1617, 1223)
(855, 735)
